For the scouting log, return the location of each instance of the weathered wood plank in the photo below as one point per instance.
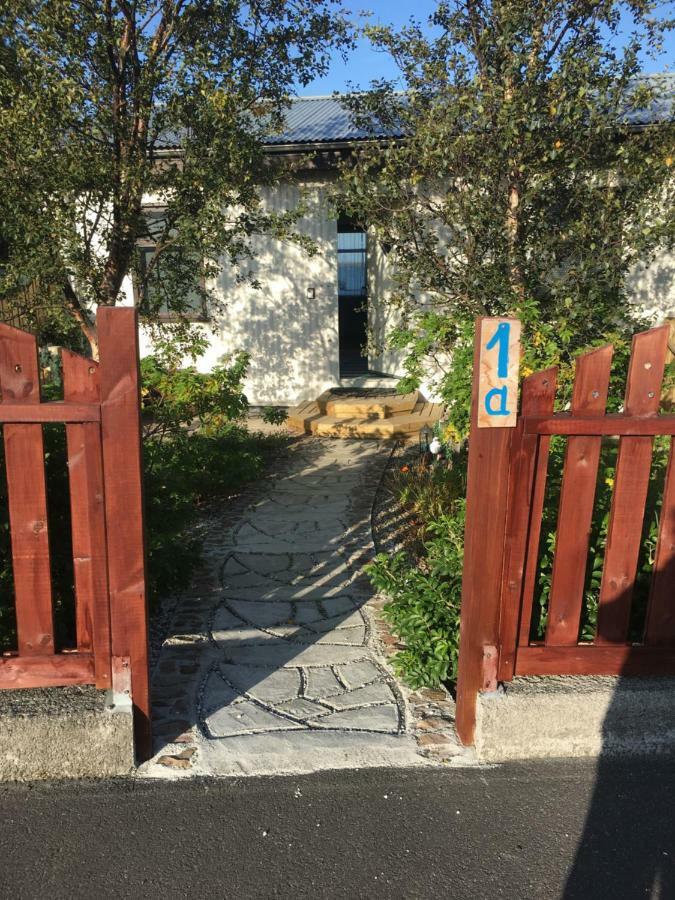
(122, 473)
(577, 496)
(660, 623)
(27, 495)
(624, 537)
(55, 411)
(609, 425)
(46, 671)
(592, 659)
(487, 487)
(538, 394)
(81, 382)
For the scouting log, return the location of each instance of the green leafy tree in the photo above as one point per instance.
(105, 104)
(522, 177)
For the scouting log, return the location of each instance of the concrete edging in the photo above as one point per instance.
(576, 716)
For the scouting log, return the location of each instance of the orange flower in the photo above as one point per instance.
(405, 468)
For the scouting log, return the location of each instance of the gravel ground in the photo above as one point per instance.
(51, 701)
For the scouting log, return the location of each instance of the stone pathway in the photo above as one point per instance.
(270, 665)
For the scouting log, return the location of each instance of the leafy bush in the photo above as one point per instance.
(425, 602)
(274, 415)
(176, 398)
(425, 595)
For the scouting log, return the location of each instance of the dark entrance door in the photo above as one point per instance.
(352, 299)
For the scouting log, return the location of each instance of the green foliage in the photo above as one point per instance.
(91, 97)
(424, 601)
(519, 187)
(175, 398)
(274, 415)
(425, 594)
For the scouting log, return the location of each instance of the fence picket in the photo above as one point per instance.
(660, 626)
(577, 495)
(123, 481)
(27, 496)
(631, 482)
(81, 383)
(523, 516)
(534, 538)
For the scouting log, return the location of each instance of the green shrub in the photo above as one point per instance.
(425, 594)
(274, 415)
(424, 602)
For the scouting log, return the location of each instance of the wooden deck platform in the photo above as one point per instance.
(378, 416)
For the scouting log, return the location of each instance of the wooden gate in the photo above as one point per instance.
(505, 505)
(100, 411)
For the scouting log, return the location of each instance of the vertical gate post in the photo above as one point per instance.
(484, 537)
(122, 473)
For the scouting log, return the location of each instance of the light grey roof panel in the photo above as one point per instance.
(312, 120)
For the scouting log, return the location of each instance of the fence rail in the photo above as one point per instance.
(508, 509)
(101, 414)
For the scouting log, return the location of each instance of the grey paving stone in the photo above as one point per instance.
(307, 611)
(217, 693)
(322, 682)
(244, 636)
(269, 685)
(302, 708)
(285, 653)
(378, 692)
(336, 606)
(246, 717)
(224, 618)
(263, 614)
(279, 602)
(359, 673)
(350, 620)
(352, 637)
(371, 718)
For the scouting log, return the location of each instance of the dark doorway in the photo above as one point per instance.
(352, 298)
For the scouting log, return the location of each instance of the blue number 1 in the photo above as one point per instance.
(501, 336)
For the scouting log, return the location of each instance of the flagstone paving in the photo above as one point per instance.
(270, 665)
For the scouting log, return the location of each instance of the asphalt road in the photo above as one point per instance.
(558, 830)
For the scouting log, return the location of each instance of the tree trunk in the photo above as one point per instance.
(512, 233)
(82, 317)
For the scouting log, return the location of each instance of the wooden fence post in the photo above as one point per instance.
(122, 473)
(486, 499)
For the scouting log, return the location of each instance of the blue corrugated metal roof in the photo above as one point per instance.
(327, 120)
(312, 120)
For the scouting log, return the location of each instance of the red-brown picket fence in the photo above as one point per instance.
(505, 504)
(101, 414)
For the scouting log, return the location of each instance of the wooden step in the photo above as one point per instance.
(404, 421)
(372, 407)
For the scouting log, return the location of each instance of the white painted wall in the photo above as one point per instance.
(293, 340)
(653, 287)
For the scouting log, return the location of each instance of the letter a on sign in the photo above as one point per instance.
(498, 373)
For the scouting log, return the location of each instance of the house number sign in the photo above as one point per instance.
(498, 373)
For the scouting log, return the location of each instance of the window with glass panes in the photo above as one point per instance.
(154, 292)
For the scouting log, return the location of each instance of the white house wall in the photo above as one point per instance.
(292, 339)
